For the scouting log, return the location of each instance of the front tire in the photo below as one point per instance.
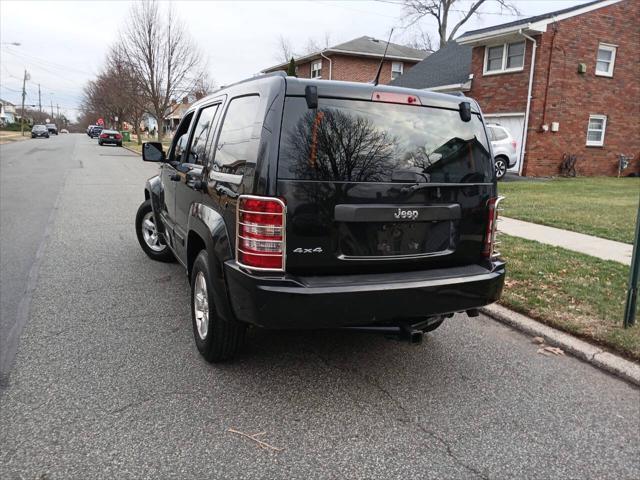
(501, 167)
(150, 239)
(217, 340)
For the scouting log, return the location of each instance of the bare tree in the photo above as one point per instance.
(444, 10)
(163, 56)
(285, 50)
(419, 39)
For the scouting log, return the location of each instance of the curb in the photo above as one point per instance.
(596, 356)
(131, 150)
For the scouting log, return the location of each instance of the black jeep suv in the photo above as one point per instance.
(299, 204)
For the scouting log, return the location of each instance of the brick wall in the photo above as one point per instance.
(571, 97)
(503, 92)
(352, 69)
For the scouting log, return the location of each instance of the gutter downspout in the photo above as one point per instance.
(330, 64)
(526, 115)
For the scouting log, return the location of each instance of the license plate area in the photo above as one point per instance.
(395, 239)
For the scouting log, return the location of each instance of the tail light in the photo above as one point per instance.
(260, 233)
(514, 144)
(488, 250)
(103, 135)
(118, 136)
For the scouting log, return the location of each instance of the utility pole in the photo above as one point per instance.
(58, 111)
(632, 291)
(40, 101)
(24, 94)
(52, 110)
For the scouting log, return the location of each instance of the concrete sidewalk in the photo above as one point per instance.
(578, 242)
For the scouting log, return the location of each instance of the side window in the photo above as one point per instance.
(492, 133)
(183, 129)
(197, 152)
(236, 145)
(500, 133)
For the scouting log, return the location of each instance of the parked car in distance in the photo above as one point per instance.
(64, 130)
(39, 131)
(89, 130)
(110, 137)
(53, 129)
(95, 131)
(504, 148)
(279, 225)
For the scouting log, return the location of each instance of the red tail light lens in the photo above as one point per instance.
(118, 136)
(514, 144)
(488, 250)
(103, 135)
(260, 232)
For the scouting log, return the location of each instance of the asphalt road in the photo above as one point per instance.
(107, 382)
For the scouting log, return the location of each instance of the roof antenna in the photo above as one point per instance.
(384, 55)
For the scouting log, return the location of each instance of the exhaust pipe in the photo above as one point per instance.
(411, 335)
(405, 333)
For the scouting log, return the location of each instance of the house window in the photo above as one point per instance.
(508, 57)
(595, 130)
(396, 69)
(316, 69)
(605, 60)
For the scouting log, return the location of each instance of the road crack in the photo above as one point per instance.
(405, 416)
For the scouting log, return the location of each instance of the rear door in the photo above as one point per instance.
(376, 186)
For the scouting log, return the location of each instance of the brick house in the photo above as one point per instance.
(583, 84)
(356, 61)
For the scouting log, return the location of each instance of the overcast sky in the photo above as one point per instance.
(63, 43)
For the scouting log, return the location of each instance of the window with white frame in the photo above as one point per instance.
(397, 69)
(316, 69)
(605, 60)
(595, 130)
(508, 57)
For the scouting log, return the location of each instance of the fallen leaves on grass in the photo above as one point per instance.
(254, 437)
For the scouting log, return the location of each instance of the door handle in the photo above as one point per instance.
(175, 177)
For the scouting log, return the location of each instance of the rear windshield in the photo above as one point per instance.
(363, 141)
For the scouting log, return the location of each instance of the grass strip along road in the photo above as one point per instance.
(577, 293)
(604, 207)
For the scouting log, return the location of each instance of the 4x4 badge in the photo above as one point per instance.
(308, 250)
(408, 214)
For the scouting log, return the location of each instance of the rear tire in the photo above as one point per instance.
(217, 340)
(501, 167)
(150, 239)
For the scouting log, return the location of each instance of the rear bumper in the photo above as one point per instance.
(291, 302)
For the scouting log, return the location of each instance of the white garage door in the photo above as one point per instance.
(514, 122)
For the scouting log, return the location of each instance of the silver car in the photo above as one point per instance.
(504, 148)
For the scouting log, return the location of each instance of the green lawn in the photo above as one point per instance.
(580, 294)
(601, 206)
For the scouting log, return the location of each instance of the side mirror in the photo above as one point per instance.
(152, 152)
(465, 111)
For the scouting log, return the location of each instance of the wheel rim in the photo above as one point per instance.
(201, 305)
(501, 168)
(150, 233)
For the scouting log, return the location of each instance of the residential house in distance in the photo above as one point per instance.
(563, 82)
(7, 112)
(356, 61)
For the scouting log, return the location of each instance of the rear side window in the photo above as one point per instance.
(363, 141)
(237, 141)
(499, 134)
(197, 153)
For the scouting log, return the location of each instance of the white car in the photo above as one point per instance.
(504, 148)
